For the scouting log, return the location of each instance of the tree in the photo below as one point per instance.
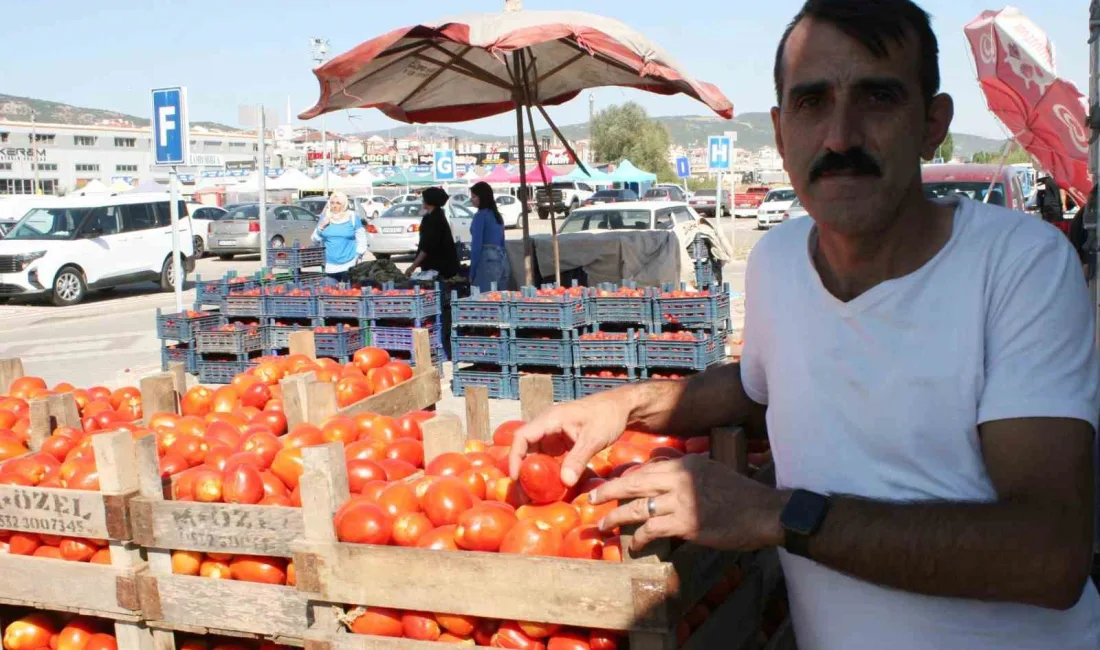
(627, 132)
(1016, 157)
(946, 149)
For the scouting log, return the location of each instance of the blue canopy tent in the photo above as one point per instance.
(631, 177)
(593, 175)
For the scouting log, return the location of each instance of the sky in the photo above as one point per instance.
(109, 53)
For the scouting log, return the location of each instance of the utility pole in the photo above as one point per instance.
(319, 48)
(591, 121)
(34, 154)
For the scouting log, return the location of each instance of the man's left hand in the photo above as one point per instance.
(696, 499)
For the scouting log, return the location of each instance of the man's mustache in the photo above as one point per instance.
(855, 160)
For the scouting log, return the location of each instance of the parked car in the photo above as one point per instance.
(238, 232)
(973, 181)
(630, 215)
(703, 202)
(611, 196)
(795, 211)
(315, 204)
(665, 193)
(14, 206)
(370, 207)
(745, 203)
(201, 218)
(407, 198)
(511, 210)
(573, 195)
(66, 247)
(397, 230)
(773, 206)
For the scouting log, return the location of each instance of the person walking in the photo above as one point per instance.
(436, 249)
(488, 259)
(343, 237)
(926, 369)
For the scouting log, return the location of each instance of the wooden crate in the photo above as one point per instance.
(644, 596)
(208, 606)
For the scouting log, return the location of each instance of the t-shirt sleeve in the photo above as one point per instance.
(1040, 354)
(754, 379)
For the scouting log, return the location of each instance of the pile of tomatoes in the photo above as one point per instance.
(55, 547)
(470, 630)
(226, 643)
(606, 336)
(606, 374)
(223, 566)
(346, 292)
(684, 335)
(54, 631)
(620, 292)
(234, 327)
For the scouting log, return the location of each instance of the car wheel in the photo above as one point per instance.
(543, 214)
(225, 257)
(69, 287)
(277, 242)
(200, 250)
(167, 274)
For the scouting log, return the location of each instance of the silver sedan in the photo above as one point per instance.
(397, 230)
(238, 232)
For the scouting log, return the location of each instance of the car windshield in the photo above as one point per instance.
(796, 204)
(607, 194)
(607, 220)
(403, 211)
(780, 195)
(656, 194)
(243, 213)
(970, 189)
(49, 223)
(705, 193)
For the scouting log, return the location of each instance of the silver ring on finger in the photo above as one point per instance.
(651, 506)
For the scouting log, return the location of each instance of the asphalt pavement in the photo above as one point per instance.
(110, 339)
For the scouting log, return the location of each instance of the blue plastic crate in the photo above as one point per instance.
(705, 350)
(401, 338)
(564, 385)
(606, 353)
(182, 353)
(478, 310)
(498, 382)
(279, 304)
(278, 336)
(181, 327)
(239, 341)
(627, 310)
(585, 386)
(248, 306)
(555, 352)
(704, 273)
(419, 303)
(472, 348)
(219, 371)
(340, 344)
(295, 257)
(706, 308)
(358, 307)
(699, 249)
(549, 312)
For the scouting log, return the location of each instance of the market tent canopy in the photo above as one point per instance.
(403, 177)
(499, 176)
(94, 186)
(626, 172)
(593, 175)
(541, 175)
(291, 179)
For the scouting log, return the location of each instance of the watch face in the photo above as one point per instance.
(804, 512)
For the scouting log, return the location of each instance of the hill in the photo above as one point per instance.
(20, 109)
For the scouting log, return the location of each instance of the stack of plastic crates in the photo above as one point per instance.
(705, 274)
(690, 330)
(227, 350)
(177, 333)
(481, 327)
(395, 313)
(295, 257)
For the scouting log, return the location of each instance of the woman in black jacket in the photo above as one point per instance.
(436, 250)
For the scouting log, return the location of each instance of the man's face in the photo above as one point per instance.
(852, 128)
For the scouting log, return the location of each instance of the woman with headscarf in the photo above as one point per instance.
(436, 250)
(343, 236)
(488, 261)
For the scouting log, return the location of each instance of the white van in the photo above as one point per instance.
(71, 245)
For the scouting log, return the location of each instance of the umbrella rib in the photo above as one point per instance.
(539, 80)
(475, 71)
(390, 64)
(475, 74)
(600, 57)
(435, 75)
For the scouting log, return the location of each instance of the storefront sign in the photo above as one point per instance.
(21, 153)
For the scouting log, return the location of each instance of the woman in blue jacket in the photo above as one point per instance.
(343, 236)
(488, 261)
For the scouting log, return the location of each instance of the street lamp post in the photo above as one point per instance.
(319, 49)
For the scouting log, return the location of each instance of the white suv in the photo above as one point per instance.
(573, 196)
(68, 246)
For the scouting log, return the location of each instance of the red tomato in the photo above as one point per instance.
(540, 477)
(449, 463)
(190, 448)
(623, 453)
(287, 466)
(409, 424)
(208, 485)
(396, 469)
(362, 522)
(171, 465)
(502, 435)
(509, 635)
(505, 490)
(537, 630)
(256, 568)
(380, 427)
(263, 444)
(409, 528)
(445, 500)
(273, 487)
(274, 419)
(76, 634)
(378, 621)
(613, 549)
(303, 435)
(226, 399)
(398, 499)
(366, 450)
(457, 624)
(697, 445)
(475, 482)
(373, 489)
(77, 550)
(217, 457)
(421, 626)
(23, 543)
(439, 539)
(585, 543)
(563, 516)
(197, 401)
(532, 537)
(339, 428)
(30, 632)
(483, 527)
(399, 370)
(350, 390)
(101, 641)
(380, 380)
(569, 640)
(256, 395)
(590, 514)
(361, 472)
(243, 483)
(408, 450)
(604, 639)
(368, 358)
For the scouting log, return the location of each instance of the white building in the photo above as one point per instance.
(68, 156)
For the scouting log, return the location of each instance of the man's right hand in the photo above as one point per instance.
(592, 424)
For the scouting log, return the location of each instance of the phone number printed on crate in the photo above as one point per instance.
(40, 510)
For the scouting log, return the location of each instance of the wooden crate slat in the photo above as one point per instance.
(415, 394)
(216, 527)
(348, 641)
(97, 589)
(195, 602)
(584, 593)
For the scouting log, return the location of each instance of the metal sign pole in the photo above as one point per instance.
(174, 210)
(262, 166)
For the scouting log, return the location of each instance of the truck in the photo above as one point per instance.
(745, 203)
(573, 195)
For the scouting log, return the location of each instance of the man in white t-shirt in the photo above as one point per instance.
(926, 371)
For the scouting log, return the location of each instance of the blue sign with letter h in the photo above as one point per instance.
(719, 152)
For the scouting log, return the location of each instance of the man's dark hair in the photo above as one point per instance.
(873, 23)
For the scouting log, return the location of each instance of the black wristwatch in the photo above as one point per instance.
(801, 518)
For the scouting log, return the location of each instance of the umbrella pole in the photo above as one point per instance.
(564, 141)
(1094, 151)
(545, 180)
(1004, 156)
(517, 98)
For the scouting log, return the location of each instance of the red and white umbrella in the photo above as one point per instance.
(1045, 114)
